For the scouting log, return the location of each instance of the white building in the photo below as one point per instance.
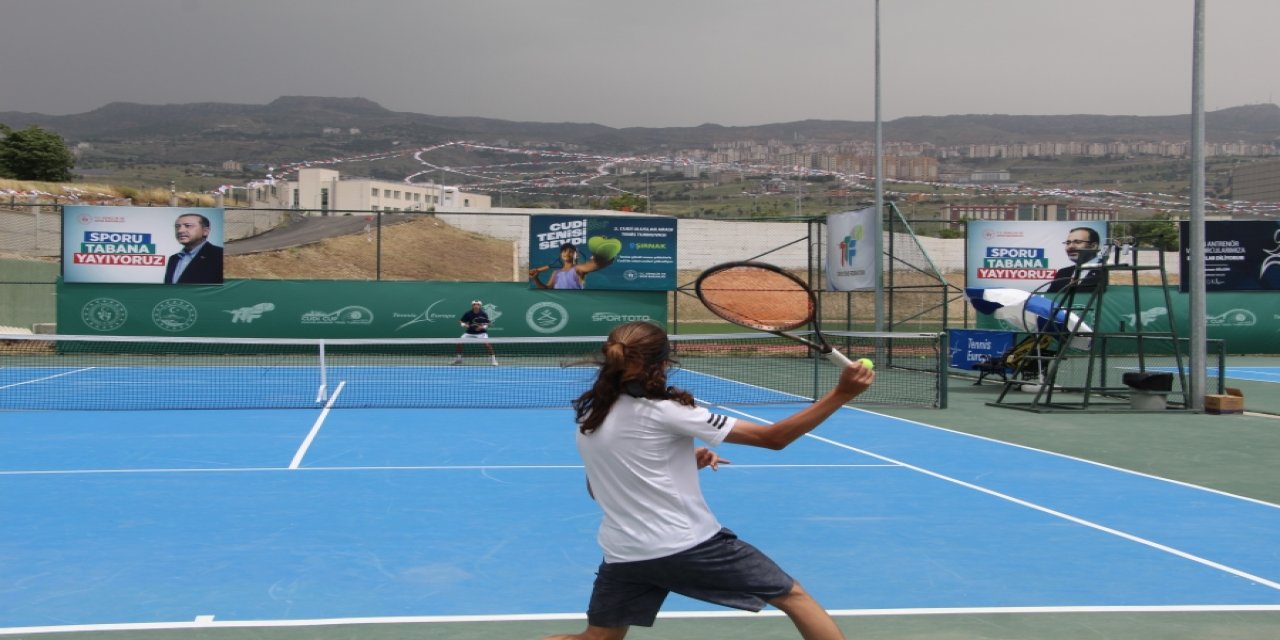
(325, 190)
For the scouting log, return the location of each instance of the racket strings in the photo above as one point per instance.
(757, 298)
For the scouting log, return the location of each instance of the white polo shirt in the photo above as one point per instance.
(643, 474)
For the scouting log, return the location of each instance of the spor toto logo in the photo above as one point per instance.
(174, 314)
(546, 317)
(104, 314)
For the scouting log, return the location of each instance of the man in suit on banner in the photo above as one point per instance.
(1082, 245)
(200, 261)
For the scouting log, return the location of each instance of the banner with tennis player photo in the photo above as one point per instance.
(1239, 255)
(851, 250)
(142, 245)
(625, 253)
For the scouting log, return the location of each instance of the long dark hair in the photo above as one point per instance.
(635, 362)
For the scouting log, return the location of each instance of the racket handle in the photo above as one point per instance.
(838, 358)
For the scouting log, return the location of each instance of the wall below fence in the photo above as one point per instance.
(345, 309)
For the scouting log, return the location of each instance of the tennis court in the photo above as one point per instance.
(339, 521)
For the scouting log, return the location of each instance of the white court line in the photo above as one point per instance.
(1043, 509)
(205, 622)
(456, 467)
(59, 375)
(1064, 456)
(315, 428)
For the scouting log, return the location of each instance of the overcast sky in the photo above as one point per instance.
(641, 62)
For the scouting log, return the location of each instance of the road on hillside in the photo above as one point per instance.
(302, 230)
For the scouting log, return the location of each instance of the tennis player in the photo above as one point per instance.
(570, 275)
(636, 437)
(475, 326)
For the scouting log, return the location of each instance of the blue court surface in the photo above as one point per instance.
(133, 520)
(1251, 374)
(1254, 374)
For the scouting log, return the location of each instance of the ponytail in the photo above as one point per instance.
(635, 359)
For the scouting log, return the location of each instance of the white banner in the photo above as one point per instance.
(1031, 255)
(852, 263)
(142, 244)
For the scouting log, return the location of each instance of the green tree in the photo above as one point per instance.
(1161, 231)
(627, 202)
(34, 154)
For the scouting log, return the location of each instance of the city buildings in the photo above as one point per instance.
(1257, 182)
(325, 190)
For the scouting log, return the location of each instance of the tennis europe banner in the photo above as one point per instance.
(141, 245)
(852, 263)
(626, 253)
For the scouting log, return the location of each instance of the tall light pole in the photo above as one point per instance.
(1195, 242)
(879, 195)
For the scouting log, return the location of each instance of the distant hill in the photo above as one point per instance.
(291, 128)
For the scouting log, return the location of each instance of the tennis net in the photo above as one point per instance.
(44, 372)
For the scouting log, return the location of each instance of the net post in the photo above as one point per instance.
(322, 394)
(941, 346)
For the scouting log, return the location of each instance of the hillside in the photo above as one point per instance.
(424, 249)
(291, 128)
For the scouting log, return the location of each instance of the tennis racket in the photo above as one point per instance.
(763, 297)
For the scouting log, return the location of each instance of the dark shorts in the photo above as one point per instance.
(723, 570)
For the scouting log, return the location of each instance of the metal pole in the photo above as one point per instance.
(1195, 244)
(879, 198)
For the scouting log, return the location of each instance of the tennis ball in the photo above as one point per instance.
(866, 363)
(606, 249)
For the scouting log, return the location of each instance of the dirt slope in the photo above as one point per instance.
(424, 249)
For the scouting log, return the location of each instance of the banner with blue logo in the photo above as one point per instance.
(851, 250)
(968, 347)
(626, 253)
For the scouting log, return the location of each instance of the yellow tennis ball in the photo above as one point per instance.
(866, 363)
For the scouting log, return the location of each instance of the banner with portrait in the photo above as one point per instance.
(1239, 255)
(1026, 255)
(852, 263)
(627, 253)
(142, 245)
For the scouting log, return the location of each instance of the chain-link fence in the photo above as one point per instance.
(923, 261)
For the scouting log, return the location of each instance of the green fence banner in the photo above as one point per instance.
(345, 309)
(1245, 321)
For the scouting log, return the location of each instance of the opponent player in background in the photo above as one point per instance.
(636, 437)
(570, 274)
(475, 324)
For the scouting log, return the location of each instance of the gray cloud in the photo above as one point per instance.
(653, 63)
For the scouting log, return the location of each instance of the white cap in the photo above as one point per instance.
(476, 302)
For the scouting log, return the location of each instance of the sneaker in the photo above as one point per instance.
(456, 360)
(493, 360)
